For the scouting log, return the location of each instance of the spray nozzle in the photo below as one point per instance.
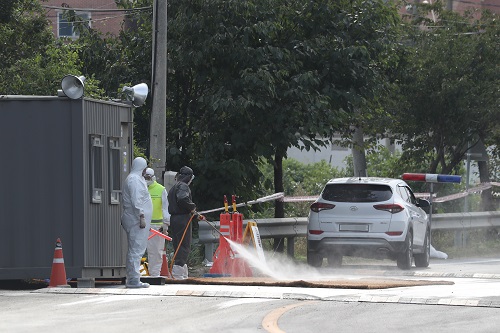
(234, 203)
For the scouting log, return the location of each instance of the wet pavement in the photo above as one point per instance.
(475, 283)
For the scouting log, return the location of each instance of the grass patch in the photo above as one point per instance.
(468, 243)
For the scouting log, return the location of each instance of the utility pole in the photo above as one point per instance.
(449, 5)
(158, 124)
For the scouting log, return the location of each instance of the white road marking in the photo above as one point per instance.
(235, 302)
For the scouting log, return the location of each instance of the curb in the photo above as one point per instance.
(447, 275)
(494, 303)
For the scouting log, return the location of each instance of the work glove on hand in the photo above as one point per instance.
(197, 215)
(164, 229)
(142, 222)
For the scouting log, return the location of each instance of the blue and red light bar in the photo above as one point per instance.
(431, 178)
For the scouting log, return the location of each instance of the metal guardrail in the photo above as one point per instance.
(291, 227)
(452, 221)
(288, 227)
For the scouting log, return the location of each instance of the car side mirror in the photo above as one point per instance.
(425, 205)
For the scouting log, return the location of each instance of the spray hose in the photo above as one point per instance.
(180, 242)
(275, 196)
(212, 224)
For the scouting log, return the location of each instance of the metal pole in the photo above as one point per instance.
(157, 134)
(466, 201)
(449, 5)
(430, 212)
(461, 235)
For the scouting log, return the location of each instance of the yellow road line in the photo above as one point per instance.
(270, 321)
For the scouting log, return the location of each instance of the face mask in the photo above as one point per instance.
(192, 177)
(149, 181)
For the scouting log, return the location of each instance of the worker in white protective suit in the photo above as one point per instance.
(136, 220)
(160, 222)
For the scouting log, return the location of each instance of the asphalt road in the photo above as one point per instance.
(470, 304)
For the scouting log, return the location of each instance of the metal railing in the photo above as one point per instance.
(292, 227)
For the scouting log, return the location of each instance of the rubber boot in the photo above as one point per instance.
(136, 284)
(178, 272)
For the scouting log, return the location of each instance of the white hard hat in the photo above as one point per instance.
(150, 172)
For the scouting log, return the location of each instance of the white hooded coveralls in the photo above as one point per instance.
(136, 201)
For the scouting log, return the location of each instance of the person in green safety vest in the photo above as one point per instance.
(160, 221)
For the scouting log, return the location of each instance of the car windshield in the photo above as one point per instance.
(357, 192)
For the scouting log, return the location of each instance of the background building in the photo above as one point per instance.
(103, 15)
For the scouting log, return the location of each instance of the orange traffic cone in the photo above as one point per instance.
(164, 266)
(58, 275)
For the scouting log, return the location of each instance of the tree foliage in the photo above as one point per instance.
(24, 31)
(299, 179)
(258, 77)
(449, 89)
(32, 61)
(249, 79)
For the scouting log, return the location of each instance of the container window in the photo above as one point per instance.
(114, 170)
(96, 168)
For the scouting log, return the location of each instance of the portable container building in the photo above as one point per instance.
(63, 163)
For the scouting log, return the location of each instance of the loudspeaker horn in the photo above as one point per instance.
(136, 94)
(72, 86)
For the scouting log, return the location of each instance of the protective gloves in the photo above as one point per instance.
(164, 228)
(197, 215)
(142, 222)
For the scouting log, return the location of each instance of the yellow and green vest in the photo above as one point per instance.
(156, 190)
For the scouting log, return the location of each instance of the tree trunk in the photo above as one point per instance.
(279, 208)
(358, 153)
(486, 195)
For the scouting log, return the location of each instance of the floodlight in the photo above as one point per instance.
(136, 94)
(72, 86)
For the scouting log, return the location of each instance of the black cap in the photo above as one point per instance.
(185, 170)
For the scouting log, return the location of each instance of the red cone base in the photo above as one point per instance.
(164, 267)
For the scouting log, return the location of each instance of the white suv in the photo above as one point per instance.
(371, 218)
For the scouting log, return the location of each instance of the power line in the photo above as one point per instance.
(99, 10)
(95, 19)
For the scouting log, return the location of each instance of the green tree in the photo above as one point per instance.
(258, 77)
(24, 31)
(32, 61)
(299, 179)
(449, 89)
(247, 80)
(116, 61)
(237, 89)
